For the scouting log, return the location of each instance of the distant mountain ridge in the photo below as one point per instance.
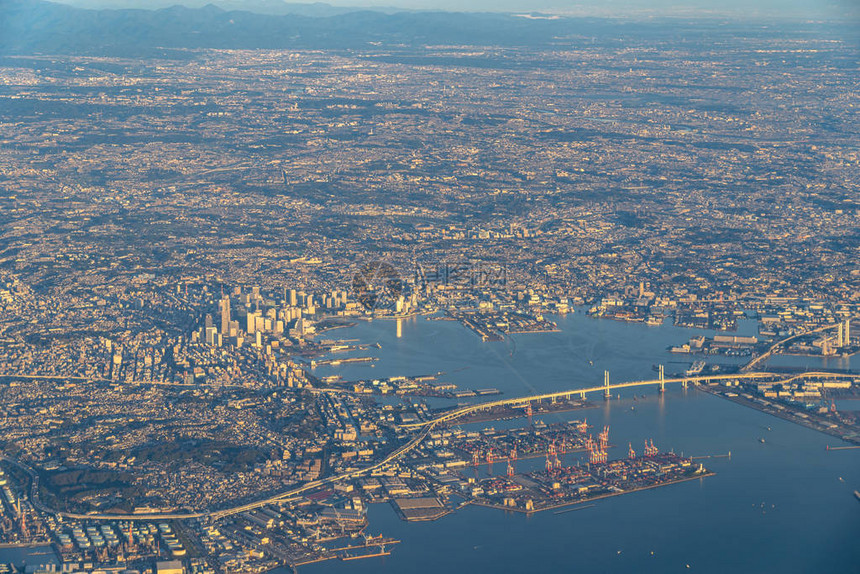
(38, 26)
(276, 7)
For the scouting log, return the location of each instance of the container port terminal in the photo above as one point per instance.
(436, 465)
(559, 486)
(231, 244)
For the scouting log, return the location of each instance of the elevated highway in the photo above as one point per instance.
(424, 429)
(607, 390)
(308, 486)
(773, 348)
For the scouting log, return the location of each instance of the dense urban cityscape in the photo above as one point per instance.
(190, 240)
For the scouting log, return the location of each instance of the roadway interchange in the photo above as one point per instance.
(776, 346)
(423, 430)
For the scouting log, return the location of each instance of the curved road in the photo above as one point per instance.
(521, 401)
(770, 351)
(425, 429)
(419, 438)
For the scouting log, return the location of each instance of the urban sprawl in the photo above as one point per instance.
(182, 239)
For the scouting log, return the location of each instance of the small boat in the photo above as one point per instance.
(857, 494)
(761, 440)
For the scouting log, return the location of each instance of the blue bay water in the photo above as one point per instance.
(32, 556)
(784, 505)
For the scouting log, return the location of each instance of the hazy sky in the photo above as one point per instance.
(793, 8)
(641, 6)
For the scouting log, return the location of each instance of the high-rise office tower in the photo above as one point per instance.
(225, 315)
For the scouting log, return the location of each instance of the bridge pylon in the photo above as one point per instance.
(606, 394)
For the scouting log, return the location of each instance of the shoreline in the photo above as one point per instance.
(592, 498)
(517, 415)
(790, 416)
